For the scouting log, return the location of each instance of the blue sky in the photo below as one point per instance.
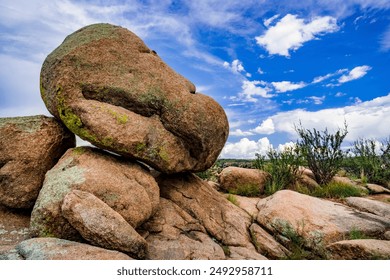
(270, 64)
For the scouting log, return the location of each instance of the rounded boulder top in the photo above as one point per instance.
(110, 89)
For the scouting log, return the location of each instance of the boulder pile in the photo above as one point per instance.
(134, 195)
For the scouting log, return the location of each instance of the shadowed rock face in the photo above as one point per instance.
(109, 88)
(29, 147)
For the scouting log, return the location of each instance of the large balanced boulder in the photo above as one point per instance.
(125, 186)
(99, 224)
(243, 181)
(110, 89)
(29, 147)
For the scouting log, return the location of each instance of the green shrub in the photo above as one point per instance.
(232, 198)
(357, 234)
(247, 190)
(322, 151)
(371, 161)
(283, 168)
(337, 190)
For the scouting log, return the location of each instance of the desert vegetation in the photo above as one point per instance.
(365, 161)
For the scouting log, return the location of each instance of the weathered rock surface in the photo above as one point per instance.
(126, 187)
(14, 226)
(29, 147)
(59, 249)
(175, 235)
(360, 249)
(371, 206)
(248, 204)
(266, 244)
(223, 221)
(377, 189)
(101, 225)
(316, 220)
(244, 253)
(109, 88)
(237, 180)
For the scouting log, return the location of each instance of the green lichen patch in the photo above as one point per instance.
(58, 182)
(140, 148)
(82, 37)
(120, 118)
(78, 151)
(110, 198)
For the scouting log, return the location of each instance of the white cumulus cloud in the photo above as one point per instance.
(253, 89)
(239, 132)
(246, 149)
(236, 66)
(291, 32)
(266, 127)
(356, 73)
(285, 86)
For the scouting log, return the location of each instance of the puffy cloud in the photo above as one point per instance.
(317, 100)
(239, 132)
(354, 74)
(288, 145)
(320, 79)
(236, 66)
(266, 127)
(285, 86)
(260, 71)
(291, 32)
(252, 89)
(246, 149)
(340, 94)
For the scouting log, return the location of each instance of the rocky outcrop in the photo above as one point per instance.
(59, 249)
(29, 147)
(376, 189)
(110, 89)
(371, 206)
(99, 224)
(316, 220)
(266, 244)
(248, 204)
(360, 249)
(243, 180)
(125, 186)
(173, 234)
(223, 221)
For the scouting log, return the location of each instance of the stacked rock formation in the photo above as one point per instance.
(134, 195)
(107, 87)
